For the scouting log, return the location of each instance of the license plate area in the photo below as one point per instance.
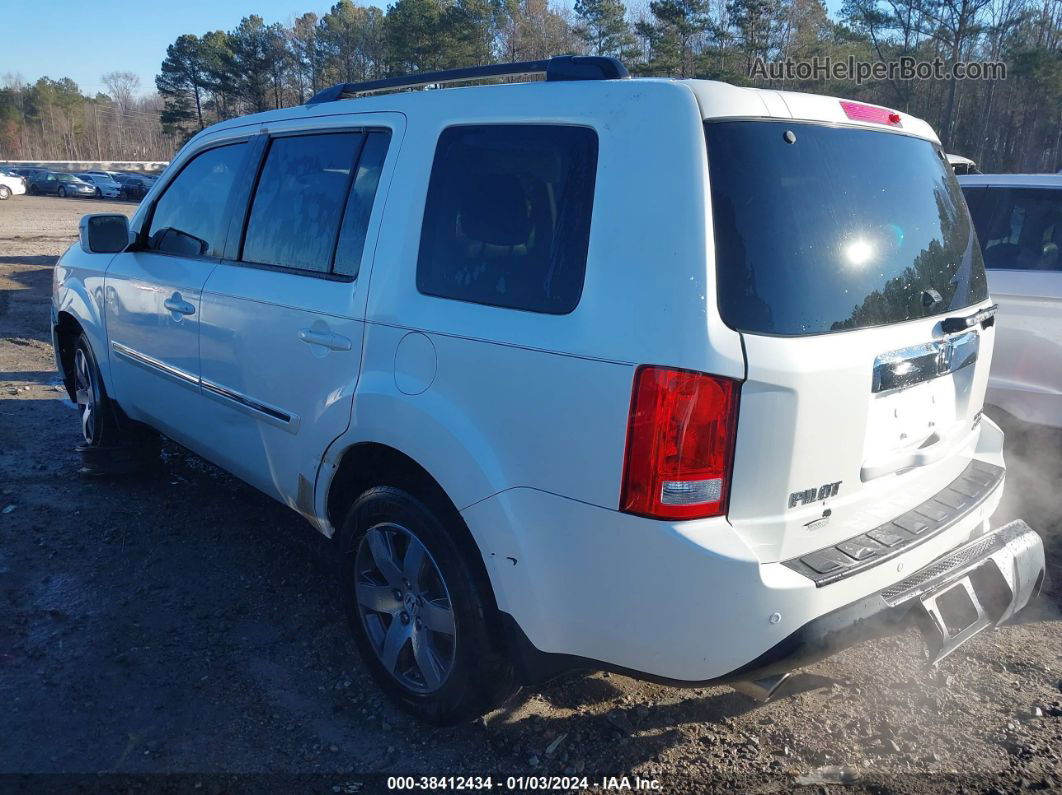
(920, 394)
(909, 419)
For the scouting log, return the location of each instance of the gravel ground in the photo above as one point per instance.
(184, 623)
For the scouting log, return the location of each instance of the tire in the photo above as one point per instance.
(5, 192)
(108, 446)
(99, 193)
(33, 190)
(99, 427)
(61, 192)
(423, 632)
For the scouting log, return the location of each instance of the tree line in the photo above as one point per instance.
(1007, 124)
(53, 120)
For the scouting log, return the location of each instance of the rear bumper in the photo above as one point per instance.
(1003, 569)
(688, 602)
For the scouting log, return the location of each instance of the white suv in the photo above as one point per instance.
(569, 387)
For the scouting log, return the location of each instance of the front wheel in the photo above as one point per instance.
(5, 192)
(110, 445)
(420, 616)
(98, 427)
(62, 193)
(99, 193)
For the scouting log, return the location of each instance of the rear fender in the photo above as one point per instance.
(434, 432)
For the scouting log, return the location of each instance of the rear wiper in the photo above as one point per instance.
(986, 317)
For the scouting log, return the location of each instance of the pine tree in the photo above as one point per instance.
(604, 28)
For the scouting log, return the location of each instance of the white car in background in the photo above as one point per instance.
(962, 165)
(105, 184)
(11, 185)
(1019, 224)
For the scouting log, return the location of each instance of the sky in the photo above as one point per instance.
(84, 39)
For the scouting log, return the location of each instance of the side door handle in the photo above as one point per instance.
(175, 303)
(335, 342)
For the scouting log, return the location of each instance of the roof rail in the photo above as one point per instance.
(560, 67)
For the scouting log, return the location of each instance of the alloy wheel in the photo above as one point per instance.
(405, 607)
(86, 393)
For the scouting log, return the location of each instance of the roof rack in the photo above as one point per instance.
(560, 67)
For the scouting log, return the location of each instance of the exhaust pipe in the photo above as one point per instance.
(761, 689)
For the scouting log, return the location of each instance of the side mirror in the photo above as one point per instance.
(104, 233)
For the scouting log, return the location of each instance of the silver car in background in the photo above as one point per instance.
(105, 184)
(1019, 225)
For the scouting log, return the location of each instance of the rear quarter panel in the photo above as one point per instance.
(520, 399)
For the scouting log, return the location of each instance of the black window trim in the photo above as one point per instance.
(590, 229)
(264, 144)
(142, 235)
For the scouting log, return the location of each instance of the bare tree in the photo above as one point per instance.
(123, 88)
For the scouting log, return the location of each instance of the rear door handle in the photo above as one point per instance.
(177, 304)
(335, 342)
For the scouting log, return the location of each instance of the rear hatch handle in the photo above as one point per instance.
(986, 317)
(935, 448)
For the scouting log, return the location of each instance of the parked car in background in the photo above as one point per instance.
(29, 172)
(1019, 224)
(60, 184)
(106, 186)
(962, 165)
(133, 186)
(11, 185)
(707, 430)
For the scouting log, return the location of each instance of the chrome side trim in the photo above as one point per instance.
(263, 411)
(175, 374)
(909, 366)
(257, 409)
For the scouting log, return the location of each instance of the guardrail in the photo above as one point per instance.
(154, 167)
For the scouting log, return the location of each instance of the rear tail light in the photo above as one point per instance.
(680, 444)
(860, 112)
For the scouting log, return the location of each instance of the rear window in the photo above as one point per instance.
(507, 218)
(821, 229)
(1019, 228)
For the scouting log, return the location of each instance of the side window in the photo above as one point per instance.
(1022, 229)
(507, 218)
(299, 201)
(359, 204)
(190, 219)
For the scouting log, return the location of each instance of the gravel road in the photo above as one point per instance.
(184, 623)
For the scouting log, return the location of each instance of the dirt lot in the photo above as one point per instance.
(183, 623)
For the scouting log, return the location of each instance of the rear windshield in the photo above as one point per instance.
(821, 229)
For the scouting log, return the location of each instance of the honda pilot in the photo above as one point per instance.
(666, 377)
